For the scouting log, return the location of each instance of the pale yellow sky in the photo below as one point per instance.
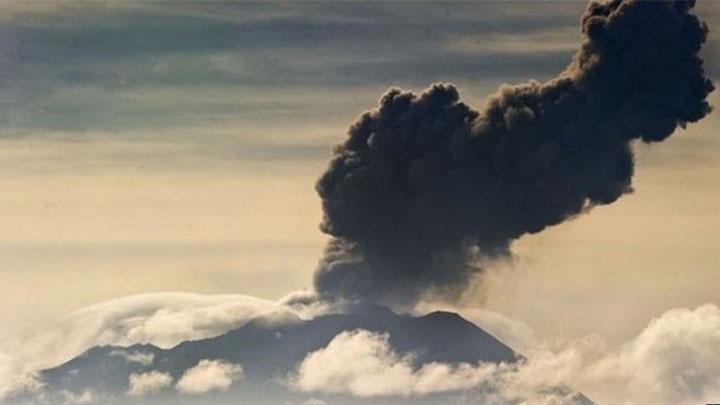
(613, 270)
(79, 232)
(193, 169)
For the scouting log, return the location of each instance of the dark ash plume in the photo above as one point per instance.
(424, 185)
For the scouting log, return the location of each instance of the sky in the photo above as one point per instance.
(165, 146)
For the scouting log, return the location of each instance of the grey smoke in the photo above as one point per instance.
(424, 185)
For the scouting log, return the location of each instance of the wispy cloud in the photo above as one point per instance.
(70, 67)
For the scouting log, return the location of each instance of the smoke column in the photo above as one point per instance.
(424, 185)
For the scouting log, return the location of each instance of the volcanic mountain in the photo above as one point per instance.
(269, 351)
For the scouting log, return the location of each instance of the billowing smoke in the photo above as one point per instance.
(425, 186)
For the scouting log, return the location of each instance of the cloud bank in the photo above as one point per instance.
(363, 364)
(675, 360)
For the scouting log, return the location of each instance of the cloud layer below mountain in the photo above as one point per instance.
(674, 360)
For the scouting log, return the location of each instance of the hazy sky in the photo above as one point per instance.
(174, 146)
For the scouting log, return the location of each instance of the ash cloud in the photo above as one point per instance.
(425, 187)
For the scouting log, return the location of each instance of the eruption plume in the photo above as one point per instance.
(424, 185)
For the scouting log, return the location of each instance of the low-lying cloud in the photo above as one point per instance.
(83, 397)
(363, 364)
(161, 319)
(674, 360)
(208, 376)
(150, 383)
(16, 378)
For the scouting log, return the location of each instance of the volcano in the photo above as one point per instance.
(270, 350)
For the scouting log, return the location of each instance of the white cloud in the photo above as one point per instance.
(363, 364)
(162, 319)
(16, 378)
(166, 319)
(150, 383)
(144, 359)
(675, 360)
(84, 397)
(209, 375)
